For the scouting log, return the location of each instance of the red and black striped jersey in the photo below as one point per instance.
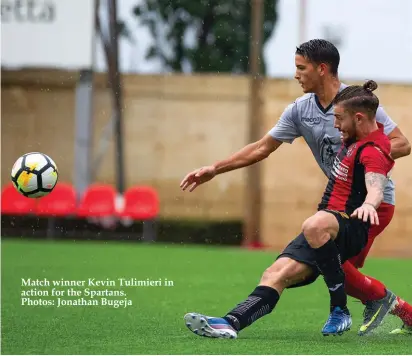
(346, 189)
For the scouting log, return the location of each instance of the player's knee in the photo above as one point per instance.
(312, 230)
(315, 229)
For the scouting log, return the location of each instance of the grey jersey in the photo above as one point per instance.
(306, 118)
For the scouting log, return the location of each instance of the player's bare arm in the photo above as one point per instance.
(400, 146)
(375, 185)
(248, 155)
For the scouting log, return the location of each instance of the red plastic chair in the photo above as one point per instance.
(98, 201)
(13, 203)
(140, 203)
(60, 202)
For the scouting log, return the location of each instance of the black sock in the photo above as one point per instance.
(261, 302)
(329, 264)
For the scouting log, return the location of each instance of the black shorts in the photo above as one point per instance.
(351, 239)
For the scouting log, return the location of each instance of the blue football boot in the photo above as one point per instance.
(338, 322)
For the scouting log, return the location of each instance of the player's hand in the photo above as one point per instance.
(366, 212)
(198, 177)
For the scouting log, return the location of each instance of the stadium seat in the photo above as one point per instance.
(60, 202)
(98, 201)
(142, 203)
(13, 203)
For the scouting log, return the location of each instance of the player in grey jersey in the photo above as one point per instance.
(311, 117)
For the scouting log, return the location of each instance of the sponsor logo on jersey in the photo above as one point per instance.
(340, 170)
(311, 120)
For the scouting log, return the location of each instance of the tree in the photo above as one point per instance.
(203, 35)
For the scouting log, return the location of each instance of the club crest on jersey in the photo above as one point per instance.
(351, 149)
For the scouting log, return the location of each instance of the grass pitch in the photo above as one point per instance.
(209, 280)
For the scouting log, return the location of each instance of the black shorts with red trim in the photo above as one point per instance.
(351, 239)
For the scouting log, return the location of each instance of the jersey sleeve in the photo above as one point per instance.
(375, 161)
(286, 129)
(383, 118)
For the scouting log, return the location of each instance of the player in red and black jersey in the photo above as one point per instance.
(354, 192)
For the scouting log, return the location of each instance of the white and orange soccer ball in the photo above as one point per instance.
(34, 175)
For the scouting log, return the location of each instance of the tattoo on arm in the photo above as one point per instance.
(375, 180)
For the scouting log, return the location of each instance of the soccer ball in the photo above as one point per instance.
(34, 175)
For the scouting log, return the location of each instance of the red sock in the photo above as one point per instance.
(404, 311)
(362, 287)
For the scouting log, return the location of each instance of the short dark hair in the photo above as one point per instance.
(359, 98)
(320, 51)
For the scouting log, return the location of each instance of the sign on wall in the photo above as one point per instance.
(47, 33)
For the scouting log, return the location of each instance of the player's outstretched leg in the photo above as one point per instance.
(339, 321)
(209, 326)
(282, 274)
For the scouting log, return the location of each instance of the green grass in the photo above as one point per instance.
(206, 279)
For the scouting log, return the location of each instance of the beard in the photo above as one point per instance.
(352, 136)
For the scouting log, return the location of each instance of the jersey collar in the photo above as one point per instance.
(319, 105)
